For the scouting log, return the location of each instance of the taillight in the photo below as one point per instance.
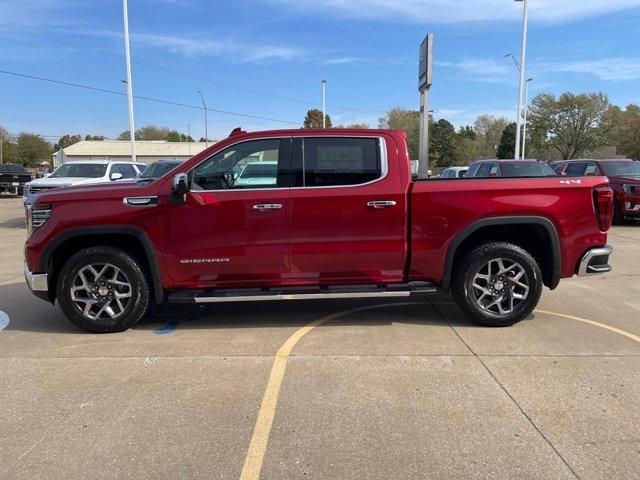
(603, 202)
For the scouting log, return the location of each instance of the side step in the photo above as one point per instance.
(301, 293)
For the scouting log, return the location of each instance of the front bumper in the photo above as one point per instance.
(38, 283)
(595, 261)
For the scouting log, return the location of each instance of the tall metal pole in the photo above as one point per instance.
(523, 54)
(1, 140)
(127, 54)
(526, 111)
(423, 160)
(324, 104)
(206, 126)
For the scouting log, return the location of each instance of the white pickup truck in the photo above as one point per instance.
(71, 174)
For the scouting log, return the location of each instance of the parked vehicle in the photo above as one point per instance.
(13, 178)
(624, 178)
(257, 173)
(339, 217)
(454, 172)
(83, 173)
(160, 168)
(510, 168)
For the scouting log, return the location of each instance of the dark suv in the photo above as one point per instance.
(510, 168)
(624, 176)
(13, 177)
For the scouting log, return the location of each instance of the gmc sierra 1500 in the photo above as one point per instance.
(335, 214)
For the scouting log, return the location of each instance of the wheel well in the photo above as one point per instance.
(534, 238)
(128, 243)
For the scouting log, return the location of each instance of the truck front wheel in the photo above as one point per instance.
(103, 290)
(497, 284)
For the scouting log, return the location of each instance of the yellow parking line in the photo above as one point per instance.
(591, 322)
(258, 445)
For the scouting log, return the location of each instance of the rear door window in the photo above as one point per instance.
(338, 161)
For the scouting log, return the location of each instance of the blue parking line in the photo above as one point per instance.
(168, 328)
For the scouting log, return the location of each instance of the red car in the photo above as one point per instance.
(340, 217)
(624, 178)
(510, 168)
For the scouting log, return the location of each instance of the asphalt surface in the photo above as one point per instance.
(407, 389)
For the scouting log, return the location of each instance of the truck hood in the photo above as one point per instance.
(87, 192)
(62, 181)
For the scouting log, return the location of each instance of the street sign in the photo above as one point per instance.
(425, 62)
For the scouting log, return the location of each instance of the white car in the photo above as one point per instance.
(258, 173)
(71, 174)
(454, 172)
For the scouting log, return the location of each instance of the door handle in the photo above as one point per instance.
(378, 204)
(265, 207)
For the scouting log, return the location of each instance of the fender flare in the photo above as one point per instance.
(544, 222)
(139, 234)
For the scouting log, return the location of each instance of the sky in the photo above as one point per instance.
(266, 58)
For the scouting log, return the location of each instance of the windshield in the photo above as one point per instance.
(257, 170)
(157, 170)
(621, 169)
(528, 169)
(84, 170)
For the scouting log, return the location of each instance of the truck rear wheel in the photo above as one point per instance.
(497, 284)
(103, 290)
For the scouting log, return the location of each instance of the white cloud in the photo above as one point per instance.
(615, 69)
(482, 69)
(449, 11)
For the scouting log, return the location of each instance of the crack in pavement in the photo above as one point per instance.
(504, 389)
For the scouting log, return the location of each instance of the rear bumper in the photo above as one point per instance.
(595, 261)
(38, 283)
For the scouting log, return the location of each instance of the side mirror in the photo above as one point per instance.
(180, 183)
(116, 176)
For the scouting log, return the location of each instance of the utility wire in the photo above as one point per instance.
(157, 100)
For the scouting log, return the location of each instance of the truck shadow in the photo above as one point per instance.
(13, 223)
(29, 314)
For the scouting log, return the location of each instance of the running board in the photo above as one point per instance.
(301, 293)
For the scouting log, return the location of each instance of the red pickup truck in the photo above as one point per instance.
(328, 214)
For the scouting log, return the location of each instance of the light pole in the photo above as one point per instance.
(526, 110)
(206, 128)
(324, 104)
(127, 55)
(523, 56)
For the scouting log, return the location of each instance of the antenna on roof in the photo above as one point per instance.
(236, 131)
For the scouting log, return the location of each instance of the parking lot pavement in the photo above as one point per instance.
(380, 390)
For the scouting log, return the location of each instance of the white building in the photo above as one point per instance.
(147, 151)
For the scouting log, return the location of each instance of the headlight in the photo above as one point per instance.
(630, 189)
(36, 216)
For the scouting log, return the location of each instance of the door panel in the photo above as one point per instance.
(336, 236)
(231, 231)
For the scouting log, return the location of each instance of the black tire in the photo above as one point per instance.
(465, 295)
(618, 218)
(139, 289)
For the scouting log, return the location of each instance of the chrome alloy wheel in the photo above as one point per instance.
(499, 286)
(101, 291)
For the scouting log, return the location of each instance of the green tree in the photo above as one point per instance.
(488, 131)
(628, 131)
(507, 146)
(444, 148)
(173, 136)
(467, 131)
(570, 124)
(406, 120)
(9, 147)
(32, 149)
(313, 119)
(65, 141)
